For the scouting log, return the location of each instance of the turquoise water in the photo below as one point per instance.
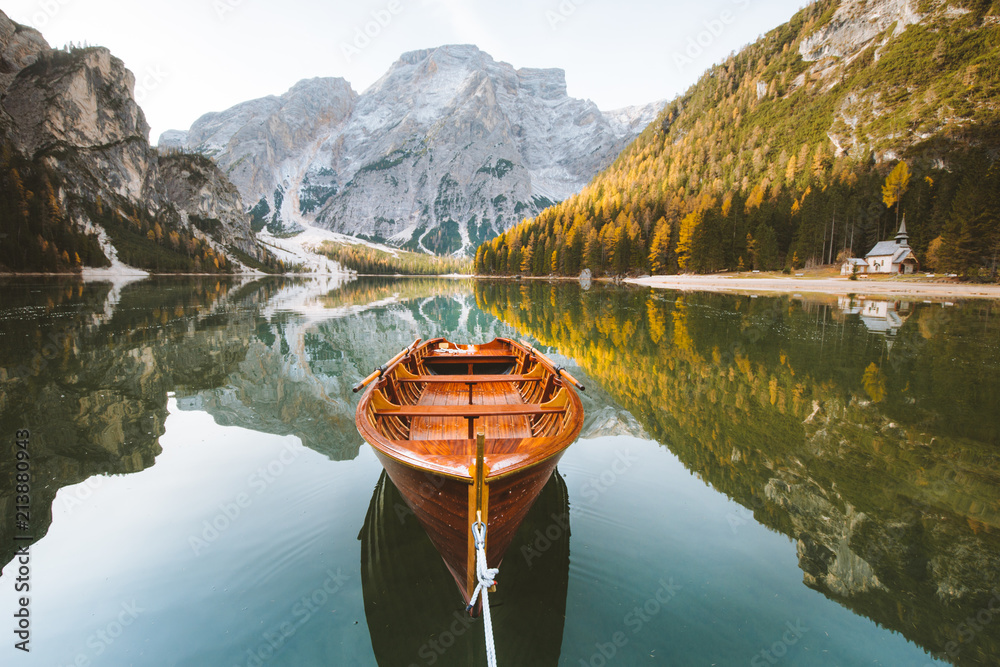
(798, 481)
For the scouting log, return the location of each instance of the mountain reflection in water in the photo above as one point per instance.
(95, 363)
(864, 430)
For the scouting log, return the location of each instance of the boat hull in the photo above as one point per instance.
(441, 505)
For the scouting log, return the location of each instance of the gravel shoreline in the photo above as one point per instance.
(821, 285)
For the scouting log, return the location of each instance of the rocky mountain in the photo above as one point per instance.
(87, 188)
(19, 47)
(207, 200)
(447, 149)
(260, 142)
(777, 157)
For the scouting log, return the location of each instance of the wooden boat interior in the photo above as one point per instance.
(428, 406)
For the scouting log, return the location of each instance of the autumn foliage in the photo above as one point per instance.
(741, 172)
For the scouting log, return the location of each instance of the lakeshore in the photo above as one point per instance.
(823, 285)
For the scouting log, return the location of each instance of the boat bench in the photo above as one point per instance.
(469, 411)
(470, 358)
(468, 379)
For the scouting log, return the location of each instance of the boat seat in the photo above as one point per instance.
(445, 414)
(470, 358)
(468, 379)
(535, 375)
(470, 411)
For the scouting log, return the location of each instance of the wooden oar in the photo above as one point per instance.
(384, 367)
(558, 369)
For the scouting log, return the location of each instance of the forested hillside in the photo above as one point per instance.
(781, 155)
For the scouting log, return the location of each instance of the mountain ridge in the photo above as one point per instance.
(447, 148)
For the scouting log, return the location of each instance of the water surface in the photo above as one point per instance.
(773, 480)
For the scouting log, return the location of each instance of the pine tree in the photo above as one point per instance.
(592, 250)
(478, 268)
(22, 201)
(765, 249)
(689, 226)
(660, 247)
(514, 258)
(489, 260)
(527, 257)
(819, 163)
(540, 260)
(963, 235)
(790, 172)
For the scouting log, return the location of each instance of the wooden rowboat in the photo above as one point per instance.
(467, 431)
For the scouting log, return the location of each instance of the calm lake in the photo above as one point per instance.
(787, 480)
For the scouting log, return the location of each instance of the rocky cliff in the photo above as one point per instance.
(88, 189)
(448, 148)
(19, 47)
(207, 200)
(76, 110)
(924, 44)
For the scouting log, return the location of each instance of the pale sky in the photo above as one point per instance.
(195, 56)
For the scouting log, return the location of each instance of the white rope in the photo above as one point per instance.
(487, 578)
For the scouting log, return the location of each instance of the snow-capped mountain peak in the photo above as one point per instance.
(448, 148)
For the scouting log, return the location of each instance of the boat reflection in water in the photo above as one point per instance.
(413, 614)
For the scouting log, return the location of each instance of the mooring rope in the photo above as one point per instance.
(487, 578)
